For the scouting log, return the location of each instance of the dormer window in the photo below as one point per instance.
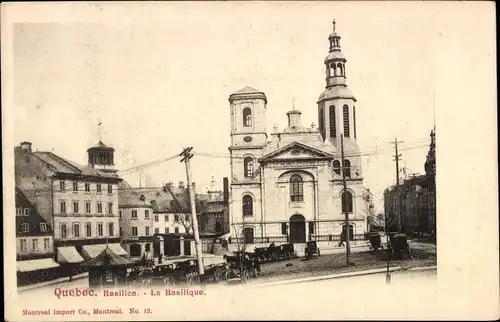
(247, 117)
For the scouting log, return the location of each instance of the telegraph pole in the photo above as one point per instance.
(397, 159)
(388, 253)
(187, 155)
(348, 241)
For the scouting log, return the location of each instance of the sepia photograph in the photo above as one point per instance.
(246, 160)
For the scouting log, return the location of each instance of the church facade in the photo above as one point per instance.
(288, 186)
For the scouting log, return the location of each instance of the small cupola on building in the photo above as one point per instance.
(294, 118)
(101, 156)
(335, 61)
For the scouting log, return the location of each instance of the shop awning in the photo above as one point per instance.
(36, 264)
(68, 254)
(25, 266)
(91, 251)
(44, 263)
(118, 249)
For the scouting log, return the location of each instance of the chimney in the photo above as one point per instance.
(226, 189)
(168, 187)
(181, 184)
(294, 118)
(26, 146)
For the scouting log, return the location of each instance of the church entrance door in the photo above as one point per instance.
(297, 229)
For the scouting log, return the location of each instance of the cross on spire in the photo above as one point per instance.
(99, 131)
(293, 103)
(333, 22)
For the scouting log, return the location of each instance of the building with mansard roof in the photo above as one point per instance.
(288, 186)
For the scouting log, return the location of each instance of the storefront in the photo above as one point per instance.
(36, 270)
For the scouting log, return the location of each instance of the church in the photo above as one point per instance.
(288, 187)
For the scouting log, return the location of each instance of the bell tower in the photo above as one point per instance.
(336, 105)
(248, 118)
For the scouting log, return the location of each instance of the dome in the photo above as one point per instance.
(336, 92)
(101, 146)
(335, 55)
(334, 35)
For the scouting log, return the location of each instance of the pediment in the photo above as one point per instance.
(296, 150)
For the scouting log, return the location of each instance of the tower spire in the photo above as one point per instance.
(99, 130)
(333, 22)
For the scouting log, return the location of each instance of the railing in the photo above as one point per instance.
(284, 239)
(327, 238)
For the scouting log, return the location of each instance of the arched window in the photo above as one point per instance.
(341, 69)
(320, 121)
(346, 121)
(347, 168)
(296, 188)
(336, 166)
(333, 124)
(354, 119)
(349, 202)
(247, 116)
(248, 167)
(247, 205)
(333, 70)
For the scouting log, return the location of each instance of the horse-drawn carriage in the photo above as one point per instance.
(375, 240)
(399, 246)
(274, 253)
(311, 250)
(242, 266)
(177, 273)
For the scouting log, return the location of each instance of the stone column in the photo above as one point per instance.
(181, 246)
(162, 245)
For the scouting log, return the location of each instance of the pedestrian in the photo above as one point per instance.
(342, 239)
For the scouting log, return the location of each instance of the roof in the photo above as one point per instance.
(62, 165)
(31, 217)
(248, 93)
(165, 199)
(107, 258)
(128, 196)
(336, 92)
(101, 145)
(335, 55)
(297, 145)
(246, 90)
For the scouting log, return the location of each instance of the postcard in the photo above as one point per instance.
(249, 160)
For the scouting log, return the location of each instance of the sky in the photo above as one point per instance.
(158, 76)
